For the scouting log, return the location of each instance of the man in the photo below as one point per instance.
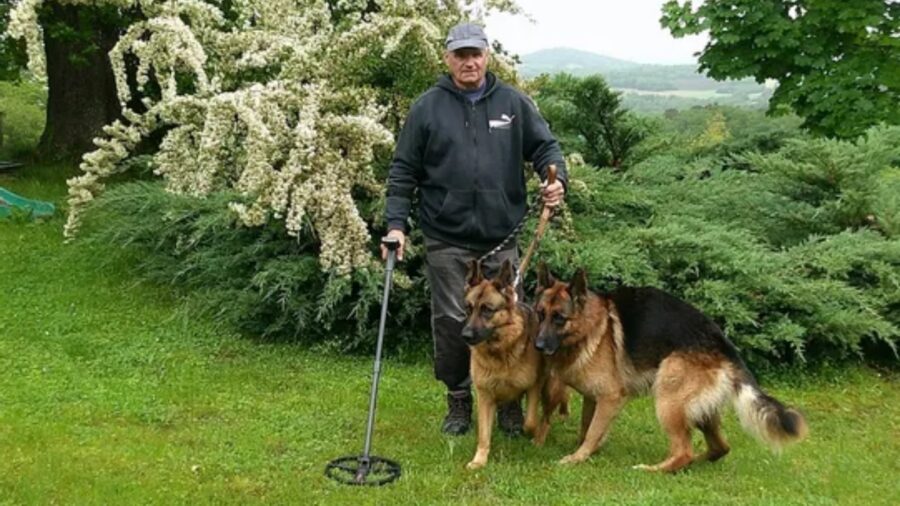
(463, 146)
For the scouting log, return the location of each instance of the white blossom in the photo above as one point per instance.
(273, 105)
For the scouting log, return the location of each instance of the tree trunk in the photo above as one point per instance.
(81, 90)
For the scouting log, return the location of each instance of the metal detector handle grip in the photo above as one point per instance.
(392, 244)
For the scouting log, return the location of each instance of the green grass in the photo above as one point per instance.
(111, 392)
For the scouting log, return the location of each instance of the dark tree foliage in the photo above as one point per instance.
(589, 119)
(837, 62)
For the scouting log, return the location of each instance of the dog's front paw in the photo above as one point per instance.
(475, 464)
(575, 458)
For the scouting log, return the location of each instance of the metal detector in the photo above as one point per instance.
(368, 469)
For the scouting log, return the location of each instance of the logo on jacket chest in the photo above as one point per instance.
(504, 123)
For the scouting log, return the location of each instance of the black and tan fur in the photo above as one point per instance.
(614, 346)
(504, 361)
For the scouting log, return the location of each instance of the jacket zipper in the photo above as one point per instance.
(474, 117)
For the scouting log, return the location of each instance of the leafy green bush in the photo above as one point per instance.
(796, 258)
(22, 106)
(838, 184)
(782, 255)
(691, 132)
(589, 119)
(258, 279)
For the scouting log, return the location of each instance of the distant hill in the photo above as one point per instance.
(647, 86)
(572, 61)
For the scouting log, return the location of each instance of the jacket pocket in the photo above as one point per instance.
(495, 214)
(456, 210)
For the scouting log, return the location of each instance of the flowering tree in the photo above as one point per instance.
(11, 57)
(288, 102)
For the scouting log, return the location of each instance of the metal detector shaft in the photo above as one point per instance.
(392, 245)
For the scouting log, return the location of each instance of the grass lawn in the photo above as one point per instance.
(112, 393)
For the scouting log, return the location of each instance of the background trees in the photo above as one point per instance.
(72, 60)
(589, 119)
(836, 62)
(81, 89)
(12, 52)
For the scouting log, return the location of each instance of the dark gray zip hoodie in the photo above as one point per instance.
(467, 159)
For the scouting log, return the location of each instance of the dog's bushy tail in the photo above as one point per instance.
(764, 416)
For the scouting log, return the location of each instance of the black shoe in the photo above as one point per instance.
(510, 419)
(459, 414)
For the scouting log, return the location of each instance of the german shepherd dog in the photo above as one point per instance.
(612, 346)
(505, 363)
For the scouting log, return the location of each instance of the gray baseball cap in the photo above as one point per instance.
(466, 35)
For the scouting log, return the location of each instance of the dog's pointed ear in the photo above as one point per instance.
(545, 279)
(505, 278)
(473, 274)
(578, 287)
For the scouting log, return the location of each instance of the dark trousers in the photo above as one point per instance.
(446, 271)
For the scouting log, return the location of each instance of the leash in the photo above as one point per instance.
(542, 224)
(546, 213)
(519, 226)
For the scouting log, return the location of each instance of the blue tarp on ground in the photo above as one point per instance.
(9, 202)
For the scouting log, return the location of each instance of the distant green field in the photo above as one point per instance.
(698, 94)
(649, 89)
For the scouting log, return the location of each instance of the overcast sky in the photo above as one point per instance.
(627, 29)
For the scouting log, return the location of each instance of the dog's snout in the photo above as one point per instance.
(545, 345)
(473, 334)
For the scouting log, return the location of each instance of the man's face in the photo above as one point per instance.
(467, 66)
